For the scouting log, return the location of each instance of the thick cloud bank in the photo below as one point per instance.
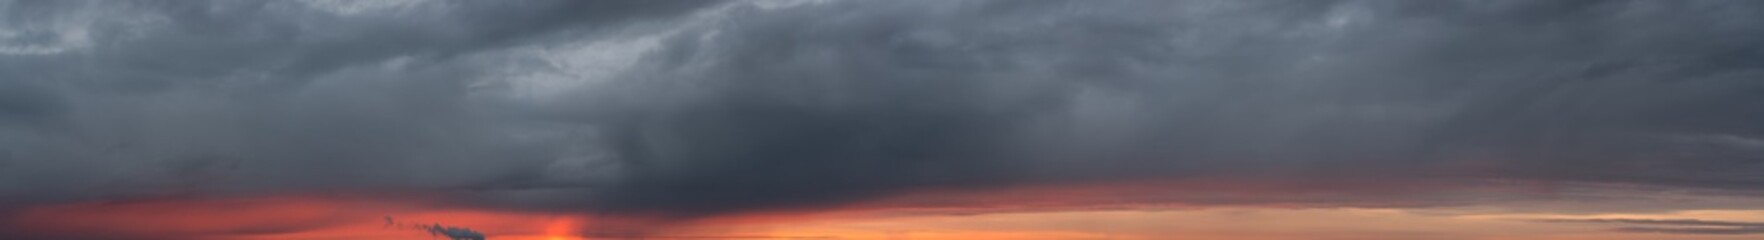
(690, 108)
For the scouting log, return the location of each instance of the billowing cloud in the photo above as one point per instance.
(684, 109)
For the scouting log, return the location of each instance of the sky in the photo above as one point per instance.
(852, 119)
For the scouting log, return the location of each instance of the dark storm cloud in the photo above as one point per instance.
(836, 102)
(692, 108)
(107, 99)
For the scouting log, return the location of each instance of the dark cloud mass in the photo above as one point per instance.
(695, 108)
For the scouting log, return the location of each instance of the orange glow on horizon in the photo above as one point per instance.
(1065, 212)
(562, 229)
(279, 217)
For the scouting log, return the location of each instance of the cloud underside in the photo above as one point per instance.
(699, 108)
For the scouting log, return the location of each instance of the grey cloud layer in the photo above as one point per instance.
(168, 97)
(735, 106)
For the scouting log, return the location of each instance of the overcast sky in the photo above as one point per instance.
(681, 110)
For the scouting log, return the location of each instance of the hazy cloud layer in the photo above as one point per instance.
(1684, 226)
(692, 108)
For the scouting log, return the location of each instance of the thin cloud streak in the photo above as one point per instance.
(1674, 226)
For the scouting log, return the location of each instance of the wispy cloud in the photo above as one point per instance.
(451, 232)
(1677, 226)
